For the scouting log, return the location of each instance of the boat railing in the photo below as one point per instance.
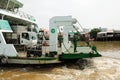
(25, 15)
(20, 13)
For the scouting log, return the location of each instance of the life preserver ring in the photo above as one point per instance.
(3, 59)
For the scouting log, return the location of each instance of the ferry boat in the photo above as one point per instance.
(21, 41)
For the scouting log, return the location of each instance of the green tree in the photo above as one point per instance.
(93, 32)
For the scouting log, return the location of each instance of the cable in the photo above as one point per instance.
(80, 26)
(63, 43)
(79, 32)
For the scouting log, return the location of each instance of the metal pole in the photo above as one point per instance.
(6, 8)
(13, 7)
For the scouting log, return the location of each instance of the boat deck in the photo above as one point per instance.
(23, 59)
(81, 49)
(23, 54)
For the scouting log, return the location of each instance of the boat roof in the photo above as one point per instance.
(16, 19)
(13, 17)
(13, 3)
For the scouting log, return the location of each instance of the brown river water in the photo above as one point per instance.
(106, 67)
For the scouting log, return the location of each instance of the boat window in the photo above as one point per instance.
(109, 33)
(33, 38)
(25, 36)
(10, 38)
(104, 35)
(4, 25)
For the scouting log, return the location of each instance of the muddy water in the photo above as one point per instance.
(102, 68)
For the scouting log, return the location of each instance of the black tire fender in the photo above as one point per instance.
(3, 59)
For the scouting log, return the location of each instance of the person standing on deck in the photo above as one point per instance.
(60, 40)
(75, 39)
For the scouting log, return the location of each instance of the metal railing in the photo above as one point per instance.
(21, 14)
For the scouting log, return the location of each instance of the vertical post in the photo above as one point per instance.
(32, 27)
(53, 39)
(13, 7)
(6, 8)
